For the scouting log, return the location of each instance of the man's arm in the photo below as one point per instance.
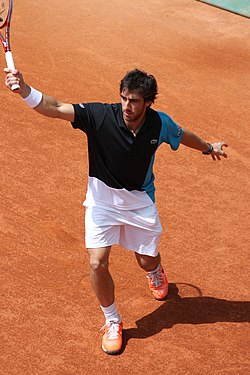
(189, 139)
(48, 106)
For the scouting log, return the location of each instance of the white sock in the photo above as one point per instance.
(154, 271)
(111, 313)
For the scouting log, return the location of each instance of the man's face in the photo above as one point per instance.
(133, 106)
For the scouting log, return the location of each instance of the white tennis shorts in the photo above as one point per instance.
(137, 230)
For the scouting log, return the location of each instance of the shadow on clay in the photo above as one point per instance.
(179, 308)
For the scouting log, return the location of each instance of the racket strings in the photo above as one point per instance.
(4, 10)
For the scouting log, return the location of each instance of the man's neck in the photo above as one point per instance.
(134, 127)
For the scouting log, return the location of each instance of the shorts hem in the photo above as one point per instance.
(96, 246)
(150, 253)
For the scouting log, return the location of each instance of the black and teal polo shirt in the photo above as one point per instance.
(121, 164)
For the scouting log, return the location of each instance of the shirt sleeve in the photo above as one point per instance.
(171, 133)
(88, 116)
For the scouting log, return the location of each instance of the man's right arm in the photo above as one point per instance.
(48, 106)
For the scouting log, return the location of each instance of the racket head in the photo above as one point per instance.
(5, 12)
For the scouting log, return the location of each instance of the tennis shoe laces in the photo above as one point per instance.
(158, 283)
(112, 337)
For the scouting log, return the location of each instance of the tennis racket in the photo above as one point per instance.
(5, 17)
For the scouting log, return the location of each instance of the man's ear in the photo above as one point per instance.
(148, 103)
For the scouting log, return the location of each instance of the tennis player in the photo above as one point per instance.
(120, 199)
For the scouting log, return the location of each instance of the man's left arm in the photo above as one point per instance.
(191, 140)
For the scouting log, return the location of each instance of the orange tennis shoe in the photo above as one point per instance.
(112, 337)
(158, 284)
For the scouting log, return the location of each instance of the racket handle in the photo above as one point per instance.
(11, 65)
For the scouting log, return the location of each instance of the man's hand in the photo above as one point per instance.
(16, 77)
(218, 151)
(189, 139)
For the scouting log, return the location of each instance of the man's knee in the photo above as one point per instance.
(97, 265)
(98, 259)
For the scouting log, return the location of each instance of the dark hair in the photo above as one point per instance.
(138, 80)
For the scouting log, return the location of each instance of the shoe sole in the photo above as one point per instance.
(160, 299)
(111, 353)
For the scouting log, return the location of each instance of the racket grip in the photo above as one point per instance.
(11, 65)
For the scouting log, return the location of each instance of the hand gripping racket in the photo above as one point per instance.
(5, 17)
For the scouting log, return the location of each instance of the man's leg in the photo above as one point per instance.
(148, 263)
(100, 277)
(157, 279)
(103, 287)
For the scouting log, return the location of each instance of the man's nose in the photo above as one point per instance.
(127, 104)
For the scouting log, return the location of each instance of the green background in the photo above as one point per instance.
(237, 6)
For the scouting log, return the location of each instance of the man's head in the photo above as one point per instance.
(141, 82)
(138, 91)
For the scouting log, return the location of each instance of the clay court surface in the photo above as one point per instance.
(78, 51)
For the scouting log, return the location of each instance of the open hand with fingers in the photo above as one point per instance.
(218, 151)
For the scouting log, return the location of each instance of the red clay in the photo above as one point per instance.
(79, 51)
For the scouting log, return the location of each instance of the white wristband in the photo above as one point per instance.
(34, 98)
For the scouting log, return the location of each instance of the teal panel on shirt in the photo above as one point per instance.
(171, 132)
(241, 7)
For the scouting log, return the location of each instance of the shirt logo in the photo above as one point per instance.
(179, 130)
(153, 141)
